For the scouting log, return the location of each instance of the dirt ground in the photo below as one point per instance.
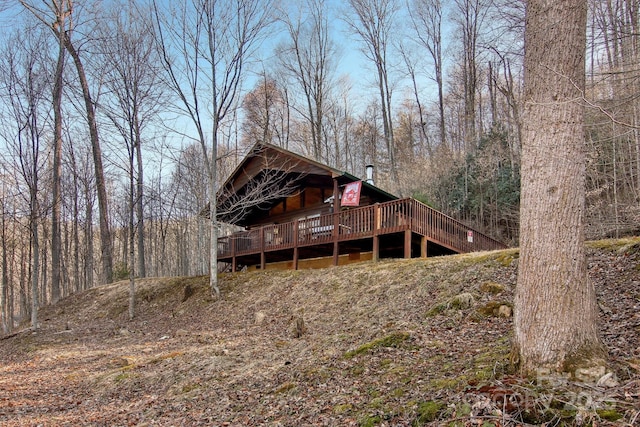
(403, 342)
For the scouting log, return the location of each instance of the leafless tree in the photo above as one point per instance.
(309, 58)
(205, 52)
(79, 159)
(267, 114)
(6, 311)
(373, 21)
(276, 179)
(186, 194)
(470, 20)
(62, 10)
(426, 20)
(26, 81)
(612, 94)
(340, 119)
(134, 99)
(54, 15)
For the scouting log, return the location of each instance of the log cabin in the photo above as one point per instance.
(292, 212)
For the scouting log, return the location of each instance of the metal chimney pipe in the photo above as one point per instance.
(369, 171)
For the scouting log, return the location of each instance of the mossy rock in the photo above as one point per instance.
(437, 309)
(462, 301)
(506, 258)
(285, 388)
(428, 412)
(609, 414)
(396, 340)
(496, 309)
(342, 408)
(463, 410)
(623, 245)
(370, 420)
(492, 288)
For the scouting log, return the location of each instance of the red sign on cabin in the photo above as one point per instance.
(351, 194)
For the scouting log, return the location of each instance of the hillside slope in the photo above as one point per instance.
(408, 342)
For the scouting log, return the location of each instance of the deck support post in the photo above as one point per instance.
(336, 232)
(296, 240)
(336, 221)
(407, 243)
(263, 258)
(376, 227)
(233, 256)
(423, 246)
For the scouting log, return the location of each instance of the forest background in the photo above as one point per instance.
(429, 92)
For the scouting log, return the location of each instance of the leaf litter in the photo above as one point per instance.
(382, 344)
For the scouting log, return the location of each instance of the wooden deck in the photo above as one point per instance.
(407, 225)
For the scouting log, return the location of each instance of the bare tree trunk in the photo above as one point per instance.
(142, 268)
(44, 279)
(555, 315)
(132, 239)
(105, 232)
(4, 289)
(423, 136)
(35, 257)
(88, 238)
(426, 16)
(213, 212)
(201, 245)
(60, 12)
(56, 249)
(387, 120)
(77, 286)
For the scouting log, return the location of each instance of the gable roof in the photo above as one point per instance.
(264, 159)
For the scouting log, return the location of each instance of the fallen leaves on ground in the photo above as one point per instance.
(373, 352)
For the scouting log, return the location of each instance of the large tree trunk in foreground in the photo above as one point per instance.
(555, 304)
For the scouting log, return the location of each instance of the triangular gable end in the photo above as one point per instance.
(288, 172)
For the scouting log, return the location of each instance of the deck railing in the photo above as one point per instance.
(357, 223)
